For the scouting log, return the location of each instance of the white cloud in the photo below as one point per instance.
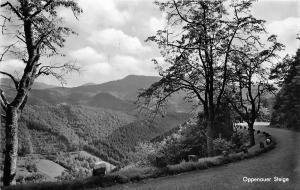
(97, 14)
(110, 42)
(12, 66)
(156, 24)
(97, 72)
(126, 64)
(102, 13)
(130, 65)
(87, 55)
(98, 69)
(117, 67)
(109, 45)
(117, 41)
(286, 30)
(121, 65)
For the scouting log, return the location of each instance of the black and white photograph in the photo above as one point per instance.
(150, 94)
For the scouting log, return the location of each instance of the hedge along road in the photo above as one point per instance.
(281, 162)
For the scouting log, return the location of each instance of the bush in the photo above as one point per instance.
(188, 139)
(238, 139)
(32, 178)
(77, 165)
(146, 154)
(202, 163)
(31, 168)
(30, 165)
(136, 172)
(221, 145)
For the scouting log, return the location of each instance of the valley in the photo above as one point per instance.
(101, 120)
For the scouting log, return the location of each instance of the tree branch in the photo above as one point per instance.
(13, 9)
(225, 66)
(3, 24)
(6, 50)
(180, 15)
(16, 82)
(3, 99)
(40, 10)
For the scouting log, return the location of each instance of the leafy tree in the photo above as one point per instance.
(37, 31)
(250, 81)
(197, 43)
(281, 72)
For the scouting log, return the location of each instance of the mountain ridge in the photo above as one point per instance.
(123, 92)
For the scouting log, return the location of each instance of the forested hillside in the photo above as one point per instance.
(103, 132)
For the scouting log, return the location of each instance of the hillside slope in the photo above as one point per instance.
(106, 133)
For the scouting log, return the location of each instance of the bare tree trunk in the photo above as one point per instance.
(209, 138)
(251, 133)
(11, 146)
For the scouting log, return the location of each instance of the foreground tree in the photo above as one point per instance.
(36, 31)
(197, 44)
(250, 81)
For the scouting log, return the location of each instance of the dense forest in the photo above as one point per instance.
(109, 134)
(286, 112)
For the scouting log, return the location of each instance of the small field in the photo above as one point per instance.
(49, 168)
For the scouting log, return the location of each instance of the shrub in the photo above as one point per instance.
(236, 156)
(221, 145)
(212, 161)
(261, 145)
(172, 153)
(77, 165)
(31, 167)
(31, 178)
(238, 139)
(145, 154)
(182, 167)
(136, 172)
(202, 163)
(188, 140)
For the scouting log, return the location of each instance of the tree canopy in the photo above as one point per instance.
(197, 44)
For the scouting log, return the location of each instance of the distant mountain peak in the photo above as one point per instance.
(89, 84)
(140, 76)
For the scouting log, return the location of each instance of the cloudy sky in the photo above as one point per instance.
(111, 41)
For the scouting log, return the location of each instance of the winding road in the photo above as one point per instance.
(283, 161)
